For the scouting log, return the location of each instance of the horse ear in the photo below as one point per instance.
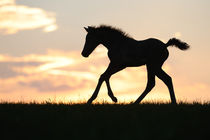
(86, 29)
(90, 28)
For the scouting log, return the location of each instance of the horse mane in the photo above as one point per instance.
(112, 32)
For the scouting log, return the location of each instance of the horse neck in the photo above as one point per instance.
(112, 43)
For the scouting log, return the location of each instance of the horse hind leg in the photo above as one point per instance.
(168, 81)
(149, 87)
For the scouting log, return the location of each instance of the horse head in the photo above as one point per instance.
(91, 41)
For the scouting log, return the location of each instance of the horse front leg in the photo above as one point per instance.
(95, 93)
(110, 93)
(112, 68)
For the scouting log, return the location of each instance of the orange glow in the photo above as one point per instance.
(66, 76)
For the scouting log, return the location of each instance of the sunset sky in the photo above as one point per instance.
(41, 43)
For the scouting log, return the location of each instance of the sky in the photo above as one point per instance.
(41, 44)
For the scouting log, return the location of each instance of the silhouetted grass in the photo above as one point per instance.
(104, 121)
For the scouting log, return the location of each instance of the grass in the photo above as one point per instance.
(104, 121)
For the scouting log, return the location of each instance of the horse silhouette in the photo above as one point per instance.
(124, 51)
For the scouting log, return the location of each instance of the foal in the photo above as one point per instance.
(124, 51)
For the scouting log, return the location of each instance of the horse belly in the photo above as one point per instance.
(128, 58)
(133, 61)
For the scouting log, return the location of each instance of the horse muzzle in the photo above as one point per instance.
(84, 54)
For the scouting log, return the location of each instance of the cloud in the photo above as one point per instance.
(14, 18)
(8, 69)
(45, 73)
(69, 76)
(46, 85)
(5, 2)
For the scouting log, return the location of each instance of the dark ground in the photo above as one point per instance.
(104, 121)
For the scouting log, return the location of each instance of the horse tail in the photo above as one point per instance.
(177, 43)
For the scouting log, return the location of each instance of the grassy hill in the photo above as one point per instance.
(104, 121)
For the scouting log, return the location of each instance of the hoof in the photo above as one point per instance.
(173, 103)
(114, 99)
(89, 102)
(136, 103)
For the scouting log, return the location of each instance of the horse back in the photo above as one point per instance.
(154, 49)
(139, 52)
